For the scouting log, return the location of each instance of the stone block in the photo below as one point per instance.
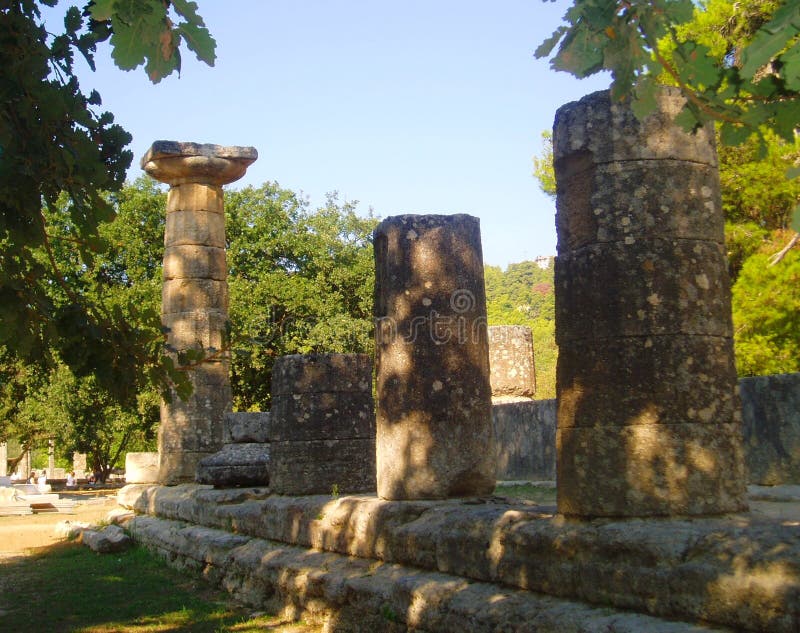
(246, 427)
(314, 373)
(199, 329)
(647, 287)
(627, 381)
(180, 163)
(192, 261)
(244, 464)
(615, 202)
(658, 469)
(179, 466)
(525, 436)
(194, 295)
(195, 197)
(596, 127)
(201, 228)
(108, 540)
(322, 466)
(141, 468)
(513, 372)
(325, 415)
(771, 417)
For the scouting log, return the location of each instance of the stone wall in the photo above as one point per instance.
(525, 436)
(771, 418)
(771, 426)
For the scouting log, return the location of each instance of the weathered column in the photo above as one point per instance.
(648, 422)
(195, 294)
(3, 459)
(513, 373)
(51, 459)
(434, 424)
(79, 465)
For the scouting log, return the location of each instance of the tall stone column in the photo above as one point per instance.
(648, 419)
(195, 294)
(51, 459)
(434, 423)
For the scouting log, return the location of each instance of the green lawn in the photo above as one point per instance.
(545, 495)
(70, 588)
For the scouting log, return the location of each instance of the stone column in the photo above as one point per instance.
(195, 294)
(51, 459)
(648, 419)
(24, 466)
(79, 465)
(434, 424)
(3, 459)
(513, 372)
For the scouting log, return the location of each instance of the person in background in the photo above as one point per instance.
(71, 480)
(42, 481)
(32, 478)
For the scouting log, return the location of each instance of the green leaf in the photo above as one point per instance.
(679, 11)
(579, 53)
(644, 97)
(771, 38)
(791, 68)
(793, 172)
(795, 223)
(102, 10)
(546, 47)
(688, 119)
(136, 30)
(199, 40)
(733, 135)
(73, 20)
(188, 10)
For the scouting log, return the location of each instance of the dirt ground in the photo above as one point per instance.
(22, 535)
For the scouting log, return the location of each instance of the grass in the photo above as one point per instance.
(545, 495)
(69, 588)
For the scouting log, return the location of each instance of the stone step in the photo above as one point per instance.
(741, 571)
(357, 594)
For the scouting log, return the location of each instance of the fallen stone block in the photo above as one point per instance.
(106, 541)
(70, 529)
(236, 465)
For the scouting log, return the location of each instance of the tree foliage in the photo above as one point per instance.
(300, 282)
(766, 316)
(747, 85)
(524, 294)
(59, 156)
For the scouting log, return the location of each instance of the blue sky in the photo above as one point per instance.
(408, 107)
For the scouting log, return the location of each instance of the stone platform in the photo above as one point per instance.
(488, 564)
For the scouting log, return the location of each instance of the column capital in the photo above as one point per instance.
(176, 163)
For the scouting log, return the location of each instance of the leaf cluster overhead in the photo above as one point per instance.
(749, 90)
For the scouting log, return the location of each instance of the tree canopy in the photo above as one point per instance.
(59, 156)
(736, 63)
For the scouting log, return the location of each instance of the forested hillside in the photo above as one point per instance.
(524, 294)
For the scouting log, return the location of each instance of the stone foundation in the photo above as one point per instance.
(429, 564)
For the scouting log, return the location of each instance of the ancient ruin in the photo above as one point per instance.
(322, 433)
(195, 294)
(648, 425)
(243, 459)
(434, 427)
(511, 362)
(648, 418)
